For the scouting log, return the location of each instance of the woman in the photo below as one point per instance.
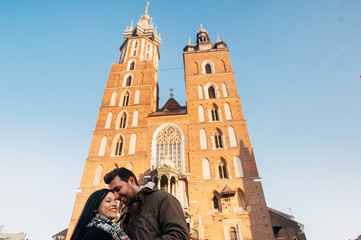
(95, 222)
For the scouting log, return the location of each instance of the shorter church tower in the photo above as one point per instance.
(225, 193)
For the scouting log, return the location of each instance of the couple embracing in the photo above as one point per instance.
(147, 212)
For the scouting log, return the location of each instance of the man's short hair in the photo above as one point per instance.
(123, 173)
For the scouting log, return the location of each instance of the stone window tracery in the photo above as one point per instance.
(168, 141)
(119, 146)
(222, 169)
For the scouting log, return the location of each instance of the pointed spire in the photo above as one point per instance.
(189, 40)
(201, 26)
(146, 8)
(217, 37)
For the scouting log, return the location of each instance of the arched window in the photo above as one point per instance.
(168, 141)
(109, 120)
(132, 66)
(208, 68)
(214, 113)
(225, 91)
(129, 81)
(241, 201)
(203, 139)
(232, 136)
(222, 169)
(135, 47)
(102, 146)
(211, 92)
(227, 110)
(135, 119)
(201, 113)
(136, 96)
(133, 143)
(238, 168)
(119, 144)
(200, 92)
(233, 234)
(164, 183)
(206, 167)
(112, 100)
(98, 175)
(148, 52)
(216, 201)
(123, 120)
(218, 143)
(125, 99)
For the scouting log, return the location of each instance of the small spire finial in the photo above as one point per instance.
(189, 40)
(171, 92)
(146, 8)
(201, 26)
(217, 37)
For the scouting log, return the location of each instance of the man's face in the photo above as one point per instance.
(124, 191)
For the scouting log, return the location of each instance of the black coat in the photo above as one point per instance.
(95, 233)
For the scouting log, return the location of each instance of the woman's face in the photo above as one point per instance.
(108, 207)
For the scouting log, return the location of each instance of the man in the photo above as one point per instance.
(148, 213)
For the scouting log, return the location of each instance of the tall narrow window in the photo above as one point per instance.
(126, 99)
(98, 175)
(233, 234)
(200, 92)
(206, 167)
(133, 143)
(232, 136)
(102, 146)
(225, 91)
(112, 100)
(222, 169)
(203, 139)
(208, 68)
(119, 146)
(109, 120)
(215, 202)
(135, 48)
(241, 201)
(123, 120)
(227, 110)
(218, 139)
(201, 113)
(211, 92)
(238, 168)
(129, 81)
(136, 96)
(135, 119)
(214, 112)
(216, 199)
(132, 66)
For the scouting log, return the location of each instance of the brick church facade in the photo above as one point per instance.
(201, 153)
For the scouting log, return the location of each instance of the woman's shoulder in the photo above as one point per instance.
(95, 233)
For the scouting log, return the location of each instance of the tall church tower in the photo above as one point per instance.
(225, 191)
(201, 153)
(121, 131)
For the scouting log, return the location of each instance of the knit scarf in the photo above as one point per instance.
(105, 224)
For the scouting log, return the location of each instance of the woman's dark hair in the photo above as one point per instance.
(87, 214)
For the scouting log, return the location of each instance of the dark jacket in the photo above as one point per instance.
(155, 215)
(95, 233)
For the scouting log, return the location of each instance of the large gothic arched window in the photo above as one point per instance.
(168, 141)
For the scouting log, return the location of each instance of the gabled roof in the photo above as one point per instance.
(171, 104)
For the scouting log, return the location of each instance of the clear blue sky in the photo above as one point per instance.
(297, 65)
